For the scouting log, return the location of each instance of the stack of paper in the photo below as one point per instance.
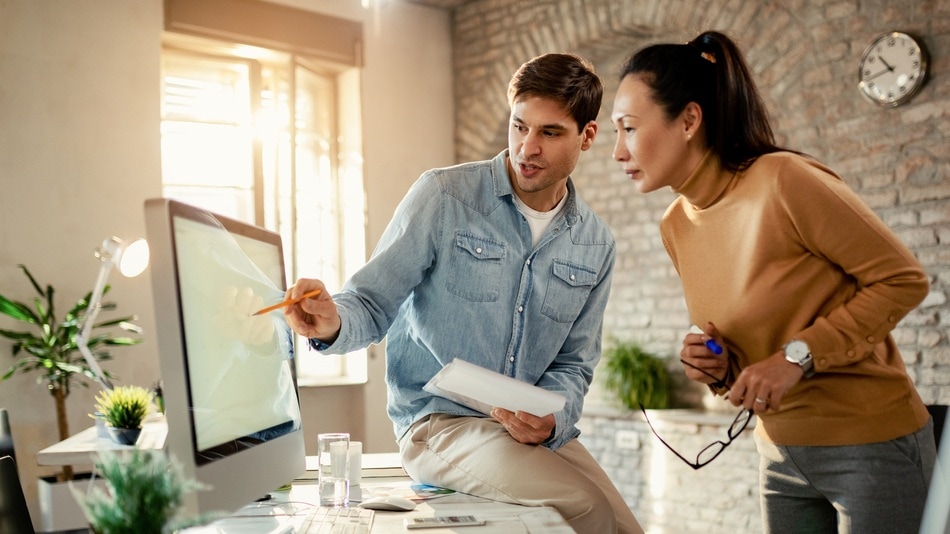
(481, 389)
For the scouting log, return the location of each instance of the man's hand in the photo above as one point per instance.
(314, 317)
(525, 427)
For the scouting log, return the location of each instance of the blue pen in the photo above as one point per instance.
(710, 343)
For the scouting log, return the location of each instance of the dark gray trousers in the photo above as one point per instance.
(855, 489)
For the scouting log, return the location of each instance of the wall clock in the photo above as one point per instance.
(893, 68)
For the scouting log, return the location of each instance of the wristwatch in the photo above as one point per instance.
(797, 352)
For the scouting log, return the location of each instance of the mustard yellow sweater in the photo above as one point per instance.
(785, 250)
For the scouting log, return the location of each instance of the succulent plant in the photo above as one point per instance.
(124, 406)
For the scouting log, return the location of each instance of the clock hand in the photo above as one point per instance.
(876, 74)
(889, 68)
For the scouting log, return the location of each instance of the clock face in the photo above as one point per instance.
(892, 69)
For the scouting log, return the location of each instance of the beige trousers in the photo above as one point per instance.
(475, 455)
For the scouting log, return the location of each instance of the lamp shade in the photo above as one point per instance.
(134, 258)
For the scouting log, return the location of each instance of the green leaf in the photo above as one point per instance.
(32, 280)
(9, 334)
(124, 341)
(17, 310)
(114, 322)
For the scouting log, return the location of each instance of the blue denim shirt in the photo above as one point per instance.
(455, 276)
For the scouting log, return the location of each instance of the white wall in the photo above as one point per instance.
(79, 153)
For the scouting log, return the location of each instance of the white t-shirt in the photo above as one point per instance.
(538, 221)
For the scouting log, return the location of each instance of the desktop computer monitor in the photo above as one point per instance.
(228, 376)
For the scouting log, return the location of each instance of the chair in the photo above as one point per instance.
(14, 514)
(6, 437)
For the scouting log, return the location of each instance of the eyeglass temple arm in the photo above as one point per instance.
(720, 383)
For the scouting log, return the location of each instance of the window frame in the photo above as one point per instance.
(345, 150)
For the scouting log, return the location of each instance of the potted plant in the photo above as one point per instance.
(636, 376)
(49, 346)
(123, 409)
(144, 492)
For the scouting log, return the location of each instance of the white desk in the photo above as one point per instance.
(81, 448)
(286, 511)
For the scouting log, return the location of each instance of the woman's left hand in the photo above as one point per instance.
(761, 386)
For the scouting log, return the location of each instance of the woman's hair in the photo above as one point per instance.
(710, 71)
(565, 78)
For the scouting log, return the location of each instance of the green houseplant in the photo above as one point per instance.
(144, 494)
(636, 376)
(123, 409)
(49, 345)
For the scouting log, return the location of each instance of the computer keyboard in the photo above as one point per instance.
(328, 520)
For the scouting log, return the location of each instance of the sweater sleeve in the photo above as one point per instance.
(832, 222)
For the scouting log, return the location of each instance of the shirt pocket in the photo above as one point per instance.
(567, 291)
(476, 271)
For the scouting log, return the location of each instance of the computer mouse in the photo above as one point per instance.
(390, 503)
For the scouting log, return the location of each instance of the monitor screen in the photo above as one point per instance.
(228, 376)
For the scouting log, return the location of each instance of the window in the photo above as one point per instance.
(271, 138)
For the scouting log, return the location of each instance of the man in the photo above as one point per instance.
(508, 251)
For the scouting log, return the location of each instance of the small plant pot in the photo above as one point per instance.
(124, 436)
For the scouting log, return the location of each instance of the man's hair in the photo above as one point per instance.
(565, 78)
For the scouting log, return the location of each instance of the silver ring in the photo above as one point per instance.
(763, 401)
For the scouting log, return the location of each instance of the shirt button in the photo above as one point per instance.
(572, 278)
(850, 354)
(511, 358)
(527, 261)
(870, 339)
(478, 250)
(520, 309)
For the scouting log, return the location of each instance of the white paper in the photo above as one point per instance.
(481, 389)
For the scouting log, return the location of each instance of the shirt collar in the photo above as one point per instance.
(501, 183)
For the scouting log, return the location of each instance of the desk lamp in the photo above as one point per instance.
(131, 259)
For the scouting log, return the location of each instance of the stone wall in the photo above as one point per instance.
(804, 55)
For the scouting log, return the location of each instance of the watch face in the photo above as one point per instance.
(796, 351)
(892, 69)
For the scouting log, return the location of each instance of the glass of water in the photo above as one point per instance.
(334, 469)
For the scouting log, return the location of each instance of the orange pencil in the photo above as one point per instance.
(288, 302)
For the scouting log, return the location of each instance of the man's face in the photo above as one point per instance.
(543, 146)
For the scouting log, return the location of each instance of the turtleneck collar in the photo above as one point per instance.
(707, 184)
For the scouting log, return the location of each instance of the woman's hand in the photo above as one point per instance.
(699, 359)
(761, 386)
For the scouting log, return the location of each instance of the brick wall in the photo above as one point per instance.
(804, 55)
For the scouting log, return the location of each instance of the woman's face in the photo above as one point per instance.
(652, 150)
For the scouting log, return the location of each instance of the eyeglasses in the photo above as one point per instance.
(714, 449)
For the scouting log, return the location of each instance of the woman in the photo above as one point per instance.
(797, 278)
